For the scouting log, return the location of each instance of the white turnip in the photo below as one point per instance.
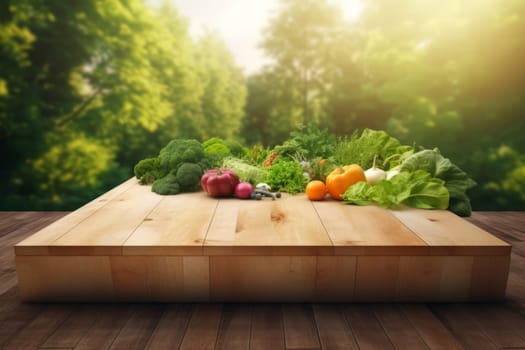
(374, 174)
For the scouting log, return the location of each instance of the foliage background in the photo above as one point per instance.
(88, 88)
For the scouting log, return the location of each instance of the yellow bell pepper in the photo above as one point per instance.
(341, 178)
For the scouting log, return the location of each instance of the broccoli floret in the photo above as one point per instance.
(179, 151)
(178, 168)
(188, 176)
(216, 149)
(148, 170)
(223, 148)
(219, 149)
(166, 185)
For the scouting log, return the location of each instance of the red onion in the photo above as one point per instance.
(243, 190)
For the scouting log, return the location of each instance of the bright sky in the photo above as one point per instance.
(240, 23)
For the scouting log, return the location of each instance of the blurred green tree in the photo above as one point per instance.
(301, 38)
(89, 88)
(223, 89)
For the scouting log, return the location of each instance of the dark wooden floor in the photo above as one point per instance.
(261, 326)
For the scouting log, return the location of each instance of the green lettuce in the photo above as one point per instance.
(456, 180)
(416, 189)
(362, 148)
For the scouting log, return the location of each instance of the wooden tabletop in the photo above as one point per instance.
(262, 326)
(132, 220)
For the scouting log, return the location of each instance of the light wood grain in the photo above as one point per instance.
(350, 225)
(448, 234)
(191, 247)
(64, 278)
(106, 231)
(489, 277)
(376, 278)
(37, 244)
(262, 278)
(287, 222)
(177, 226)
(437, 278)
(160, 278)
(335, 278)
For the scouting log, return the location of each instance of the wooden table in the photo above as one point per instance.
(133, 245)
(494, 325)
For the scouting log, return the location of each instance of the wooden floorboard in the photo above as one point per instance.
(498, 325)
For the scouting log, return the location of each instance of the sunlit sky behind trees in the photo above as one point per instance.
(241, 23)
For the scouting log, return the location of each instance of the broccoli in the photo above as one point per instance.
(216, 149)
(186, 175)
(180, 151)
(178, 168)
(166, 185)
(216, 145)
(148, 170)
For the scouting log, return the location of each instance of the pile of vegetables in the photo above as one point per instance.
(315, 162)
(418, 178)
(178, 167)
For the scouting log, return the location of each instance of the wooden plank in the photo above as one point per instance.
(101, 335)
(466, 329)
(376, 278)
(262, 278)
(177, 226)
(506, 225)
(431, 330)
(489, 277)
(38, 243)
(171, 328)
(9, 301)
(234, 331)
(196, 278)
(448, 234)
(335, 278)
(351, 226)
(267, 327)
(64, 278)
(140, 278)
(290, 221)
(434, 278)
(39, 329)
(203, 327)
(300, 331)
(7, 280)
(503, 327)
(15, 318)
(16, 226)
(366, 328)
(398, 329)
(105, 231)
(160, 278)
(11, 221)
(334, 331)
(69, 333)
(138, 329)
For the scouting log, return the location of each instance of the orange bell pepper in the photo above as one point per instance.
(341, 178)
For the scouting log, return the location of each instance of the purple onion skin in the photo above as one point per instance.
(243, 190)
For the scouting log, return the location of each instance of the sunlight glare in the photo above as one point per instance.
(352, 9)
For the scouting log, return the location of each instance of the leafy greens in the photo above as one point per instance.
(416, 189)
(456, 180)
(362, 148)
